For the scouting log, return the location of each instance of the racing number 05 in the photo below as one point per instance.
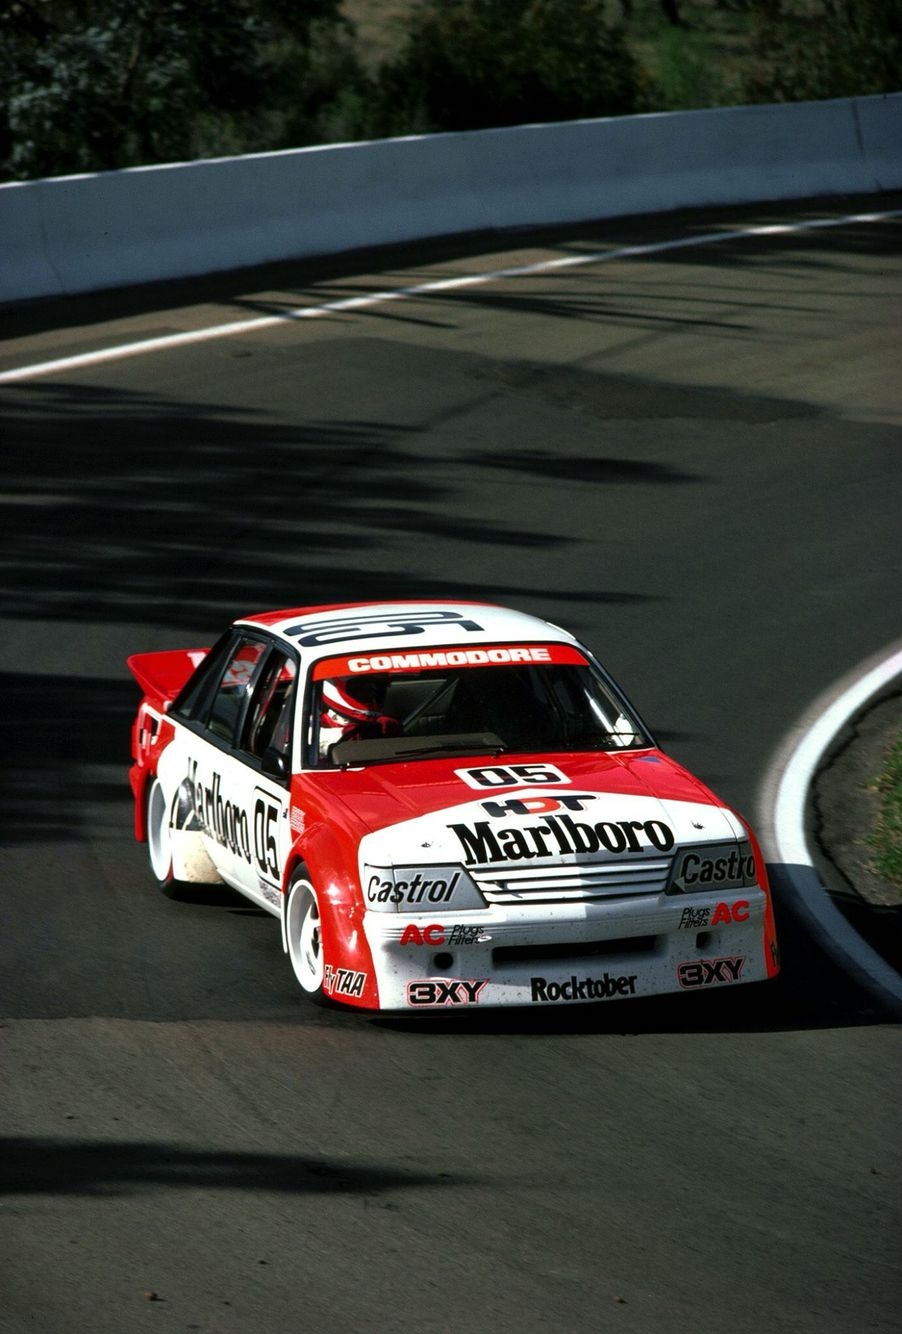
(266, 847)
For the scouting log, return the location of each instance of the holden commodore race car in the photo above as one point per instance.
(444, 805)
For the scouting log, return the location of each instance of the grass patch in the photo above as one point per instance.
(699, 63)
(886, 838)
(687, 72)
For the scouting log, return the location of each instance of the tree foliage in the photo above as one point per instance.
(470, 64)
(89, 85)
(835, 48)
(93, 85)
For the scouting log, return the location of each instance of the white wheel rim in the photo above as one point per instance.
(159, 843)
(305, 944)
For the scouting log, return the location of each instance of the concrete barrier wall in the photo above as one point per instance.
(81, 233)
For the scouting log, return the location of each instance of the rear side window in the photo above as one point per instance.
(191, 701)
(231, 694)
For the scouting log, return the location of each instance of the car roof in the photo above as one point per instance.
(323, 631)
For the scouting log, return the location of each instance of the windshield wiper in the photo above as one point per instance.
(438, 751)
(387, 750)
(465, 745)
(604, 741)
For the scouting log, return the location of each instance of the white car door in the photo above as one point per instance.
(264, 751)
(239, 766)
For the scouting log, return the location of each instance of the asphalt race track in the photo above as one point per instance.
(692, 458)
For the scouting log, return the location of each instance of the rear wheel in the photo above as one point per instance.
(159, 841)
(303, 931)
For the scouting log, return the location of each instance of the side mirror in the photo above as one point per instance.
(274, 764)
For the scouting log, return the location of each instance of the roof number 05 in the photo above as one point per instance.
(511, 775)
(337, 629)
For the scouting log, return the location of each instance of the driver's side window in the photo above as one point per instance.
(268, 724)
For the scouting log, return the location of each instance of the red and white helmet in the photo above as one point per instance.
(353, 708)
(352, 701)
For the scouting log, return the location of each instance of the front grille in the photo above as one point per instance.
(584, 949)
(573, 882)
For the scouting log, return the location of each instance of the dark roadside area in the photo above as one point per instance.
(844, 810)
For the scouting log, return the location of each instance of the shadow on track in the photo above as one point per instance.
(273, 288)
(128, 506)
(97, 1168)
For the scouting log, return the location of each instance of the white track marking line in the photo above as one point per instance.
(783, 802)
(165, 342)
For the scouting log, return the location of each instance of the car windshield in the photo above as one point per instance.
(519, 707)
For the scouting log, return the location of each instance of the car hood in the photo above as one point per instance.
(437, 811)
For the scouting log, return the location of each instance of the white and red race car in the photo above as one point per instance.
(445, 805)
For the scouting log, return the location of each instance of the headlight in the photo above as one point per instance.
(418, 889)
(713, 866)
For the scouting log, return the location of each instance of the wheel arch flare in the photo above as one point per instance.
(349, 973)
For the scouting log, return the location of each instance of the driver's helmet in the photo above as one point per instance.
(353, 707)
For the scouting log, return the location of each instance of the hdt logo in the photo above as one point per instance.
(537, 805)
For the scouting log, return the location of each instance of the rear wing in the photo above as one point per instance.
(162, 675)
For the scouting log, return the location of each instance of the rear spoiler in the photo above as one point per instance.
(162, 675)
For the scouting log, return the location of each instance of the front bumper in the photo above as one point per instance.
(571, 953)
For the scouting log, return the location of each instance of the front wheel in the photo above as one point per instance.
(303, 933)
(159, 841)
